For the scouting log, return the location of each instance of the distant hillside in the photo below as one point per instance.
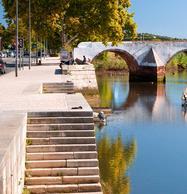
(147, 36)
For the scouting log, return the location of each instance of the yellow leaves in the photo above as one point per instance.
(73, 21)
(114, 157)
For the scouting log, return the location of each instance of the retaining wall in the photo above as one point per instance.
(12, 152)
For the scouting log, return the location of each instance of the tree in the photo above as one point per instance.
(77, 20)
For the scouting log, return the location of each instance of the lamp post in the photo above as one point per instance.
(0, 43)
(16, 65)
(29, 34)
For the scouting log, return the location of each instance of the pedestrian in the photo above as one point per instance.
(84, 60)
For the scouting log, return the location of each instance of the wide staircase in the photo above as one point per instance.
(63, 87)
(61, 153)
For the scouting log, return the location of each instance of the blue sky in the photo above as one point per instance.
(1, 13)
(164, 17)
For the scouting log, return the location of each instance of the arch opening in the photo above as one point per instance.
(131, 62)
(177, 62)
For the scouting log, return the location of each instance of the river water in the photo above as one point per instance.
(143, 147)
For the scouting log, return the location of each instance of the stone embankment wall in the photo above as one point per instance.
(83, 76)
(12, 152)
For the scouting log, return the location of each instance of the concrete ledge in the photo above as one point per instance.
(12, 152)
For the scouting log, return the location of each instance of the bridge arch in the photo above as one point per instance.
(129, 59)
(146, 60)
(174, 54)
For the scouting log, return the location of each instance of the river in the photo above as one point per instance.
(143, 147)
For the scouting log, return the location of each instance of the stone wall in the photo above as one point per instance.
(12, 152)
(83, 76)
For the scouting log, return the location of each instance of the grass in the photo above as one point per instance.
(28, 142)
(26, 191)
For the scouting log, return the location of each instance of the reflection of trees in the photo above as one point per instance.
(114, 161)
(108, 86)
(105, 89)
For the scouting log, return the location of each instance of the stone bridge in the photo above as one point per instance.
(146, 60)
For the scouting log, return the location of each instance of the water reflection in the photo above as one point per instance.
(141, 100)
(147, 100)
(152, 116)
(113, 91)
(114, 161)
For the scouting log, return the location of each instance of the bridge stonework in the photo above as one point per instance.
(146, 60)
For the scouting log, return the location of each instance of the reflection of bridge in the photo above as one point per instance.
(148, 100)
(146, 60)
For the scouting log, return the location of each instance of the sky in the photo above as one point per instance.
(1, 13)
(162, 17)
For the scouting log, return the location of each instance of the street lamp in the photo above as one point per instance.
(29, 34)
(16, 65)
(0, 43)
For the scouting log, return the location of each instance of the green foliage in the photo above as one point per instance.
(153, 37)
(73, 21)
(26, 191)
(114, 160)
(28, 142)
(7, 35)
(109, 61)
(178, 61)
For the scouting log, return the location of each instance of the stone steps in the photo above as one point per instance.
(43, 172)
(54, 120)
(61, 154)
(62, 163)
(54, 86)
(59, 91)
(58, 84)
(64, 89)
(61, 140)
(58, 88)
(61, 133)
(63, 126)
(68, 188)
(59, 180)
(60, 148)
(75, 113)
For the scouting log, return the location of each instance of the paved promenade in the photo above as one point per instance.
(25, 91)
